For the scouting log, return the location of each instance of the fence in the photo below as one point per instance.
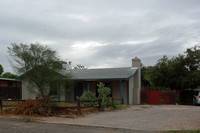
(168, 97)
(158, 97)
(77, 109)
(9, 103)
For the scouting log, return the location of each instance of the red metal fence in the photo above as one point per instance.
(158, 97)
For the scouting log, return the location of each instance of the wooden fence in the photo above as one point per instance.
(11, 103)
(77, 109)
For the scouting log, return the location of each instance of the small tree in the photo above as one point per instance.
(40, 66)
(104, 93)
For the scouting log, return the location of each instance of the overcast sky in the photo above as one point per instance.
(101, 33)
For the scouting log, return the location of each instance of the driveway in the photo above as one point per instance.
(140, 117)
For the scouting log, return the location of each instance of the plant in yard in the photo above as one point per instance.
(40, 67)
(88, 96)
(39, 106)
(104, 93)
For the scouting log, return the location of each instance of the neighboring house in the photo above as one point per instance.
(125, 83)
(10, 89)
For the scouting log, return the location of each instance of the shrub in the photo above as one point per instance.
(104, 93)
(88, 96)
(39, 106)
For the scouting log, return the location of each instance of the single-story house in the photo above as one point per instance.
(125, 82)
(10, 89)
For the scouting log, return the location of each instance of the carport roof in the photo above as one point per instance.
(8, 79)
(104, 73)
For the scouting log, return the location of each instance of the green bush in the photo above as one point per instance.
(104, 93)
(88, 96)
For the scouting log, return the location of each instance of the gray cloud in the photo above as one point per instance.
(102, 33)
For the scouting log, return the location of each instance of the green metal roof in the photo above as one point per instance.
(104, 73)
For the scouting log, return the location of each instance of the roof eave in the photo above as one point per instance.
(132, 74)
(99, 79)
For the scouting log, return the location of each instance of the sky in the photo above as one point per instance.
(101, 33)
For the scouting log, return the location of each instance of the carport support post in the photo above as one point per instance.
(121, 91)
(88, 84)
(1, 105)
(58, 94)
(127, 92)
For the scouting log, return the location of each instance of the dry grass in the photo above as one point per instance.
(65, 104)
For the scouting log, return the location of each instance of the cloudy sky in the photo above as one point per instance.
(101, 33)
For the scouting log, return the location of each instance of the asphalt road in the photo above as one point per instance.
(8, 125)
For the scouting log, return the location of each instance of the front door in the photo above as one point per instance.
(78, 90)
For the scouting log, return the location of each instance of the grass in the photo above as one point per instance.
(10, 103)
(121, 106)
(145, 107)
(182, 131)
(65, 104)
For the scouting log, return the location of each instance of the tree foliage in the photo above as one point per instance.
(86, 96)
(181, 72)
(40, 66)
(1, 69)
(104, 93)
(9, 75)
(6, 74)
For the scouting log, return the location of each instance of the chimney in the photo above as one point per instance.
(136, 62)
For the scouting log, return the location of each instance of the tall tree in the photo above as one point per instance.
(1, 69)
(181, 72)
(40, 66)
(192, 64)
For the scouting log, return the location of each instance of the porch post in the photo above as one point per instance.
(121, 91)
(88, 84)
(128, 92)
(58, 94)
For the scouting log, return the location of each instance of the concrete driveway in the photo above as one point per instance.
(140, 117)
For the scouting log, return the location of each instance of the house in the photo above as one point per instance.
(125, 83)
(10, 89)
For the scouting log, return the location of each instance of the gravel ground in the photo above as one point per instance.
(140, 117)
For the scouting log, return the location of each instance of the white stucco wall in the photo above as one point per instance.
(30, 91)
(27, 91)
(134, 88)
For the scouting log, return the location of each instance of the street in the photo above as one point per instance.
(8, 125)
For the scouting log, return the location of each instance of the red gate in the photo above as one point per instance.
(158, 97)
(153, 97)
